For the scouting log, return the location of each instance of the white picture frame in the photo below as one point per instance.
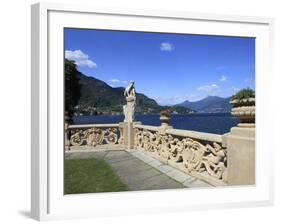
(48, 201)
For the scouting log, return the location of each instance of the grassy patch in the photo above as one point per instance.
(90, 176)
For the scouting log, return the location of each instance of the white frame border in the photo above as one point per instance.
(40, 104)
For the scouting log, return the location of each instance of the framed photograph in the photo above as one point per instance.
(148, 111)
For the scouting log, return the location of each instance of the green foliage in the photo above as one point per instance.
(244, 94)
(72, 87)
(165, 113)
(90, 176)
(180, 109)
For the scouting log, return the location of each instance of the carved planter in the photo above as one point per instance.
(165, 120)
(244, 109)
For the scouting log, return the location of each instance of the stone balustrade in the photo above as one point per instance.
(93, 135)
(200, 154)
(227, 159)
(220, 160)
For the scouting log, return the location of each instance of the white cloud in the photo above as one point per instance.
(80, 58)
(166, 46)
(223, 78)
(210, 89)
(115, 82)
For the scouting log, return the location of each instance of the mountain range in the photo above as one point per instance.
(97, 97)
(210, 104)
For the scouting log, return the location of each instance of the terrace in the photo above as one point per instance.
(157, 157)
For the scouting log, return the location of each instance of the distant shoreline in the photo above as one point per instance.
(173, 114)
(217, 123)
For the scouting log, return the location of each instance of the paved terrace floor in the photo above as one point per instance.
(140, 171)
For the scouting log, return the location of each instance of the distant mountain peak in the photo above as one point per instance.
(212, 97)
(209, 104)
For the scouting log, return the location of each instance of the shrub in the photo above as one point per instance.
(165, 113)
(244, 94)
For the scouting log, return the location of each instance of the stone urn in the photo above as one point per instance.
(165, 118)
(245, 110)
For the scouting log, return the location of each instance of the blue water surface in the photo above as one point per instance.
(217, 123)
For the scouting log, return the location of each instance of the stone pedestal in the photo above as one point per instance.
(128, 134)
(165, 124)
(241, 156)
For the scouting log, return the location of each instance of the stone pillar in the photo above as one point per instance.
(241, 156)
(240, 144)
(128, 134)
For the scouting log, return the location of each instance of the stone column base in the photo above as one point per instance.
(128, 134)
(241, 156)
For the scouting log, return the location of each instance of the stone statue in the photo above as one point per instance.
(129, 108)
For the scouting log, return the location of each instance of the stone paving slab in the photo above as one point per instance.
(116, 160)
(155, 163)
(159, 182)
(143, 157)
(140, 171)
(165, 168)
(188, 181)
(181, 177)
(117, 156)
(129, 167)
(140, 178)
(196, 183)
(178, 175)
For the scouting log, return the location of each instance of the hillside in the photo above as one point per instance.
(97, 97)
(210, 104)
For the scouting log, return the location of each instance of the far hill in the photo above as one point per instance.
(97, 97)
(210, 104)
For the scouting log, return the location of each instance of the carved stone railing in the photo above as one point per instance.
(93, 135)
(200, 154)
(227, 159)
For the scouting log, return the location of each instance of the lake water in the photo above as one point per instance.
(218, 123)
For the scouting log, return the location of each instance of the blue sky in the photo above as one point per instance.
(169, 68)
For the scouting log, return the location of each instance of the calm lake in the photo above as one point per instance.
(217, 123)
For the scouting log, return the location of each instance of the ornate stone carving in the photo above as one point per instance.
(214, 161)
(129, 108)
(93, 136)
(201, 157)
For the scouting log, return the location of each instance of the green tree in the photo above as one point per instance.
(72, 88)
